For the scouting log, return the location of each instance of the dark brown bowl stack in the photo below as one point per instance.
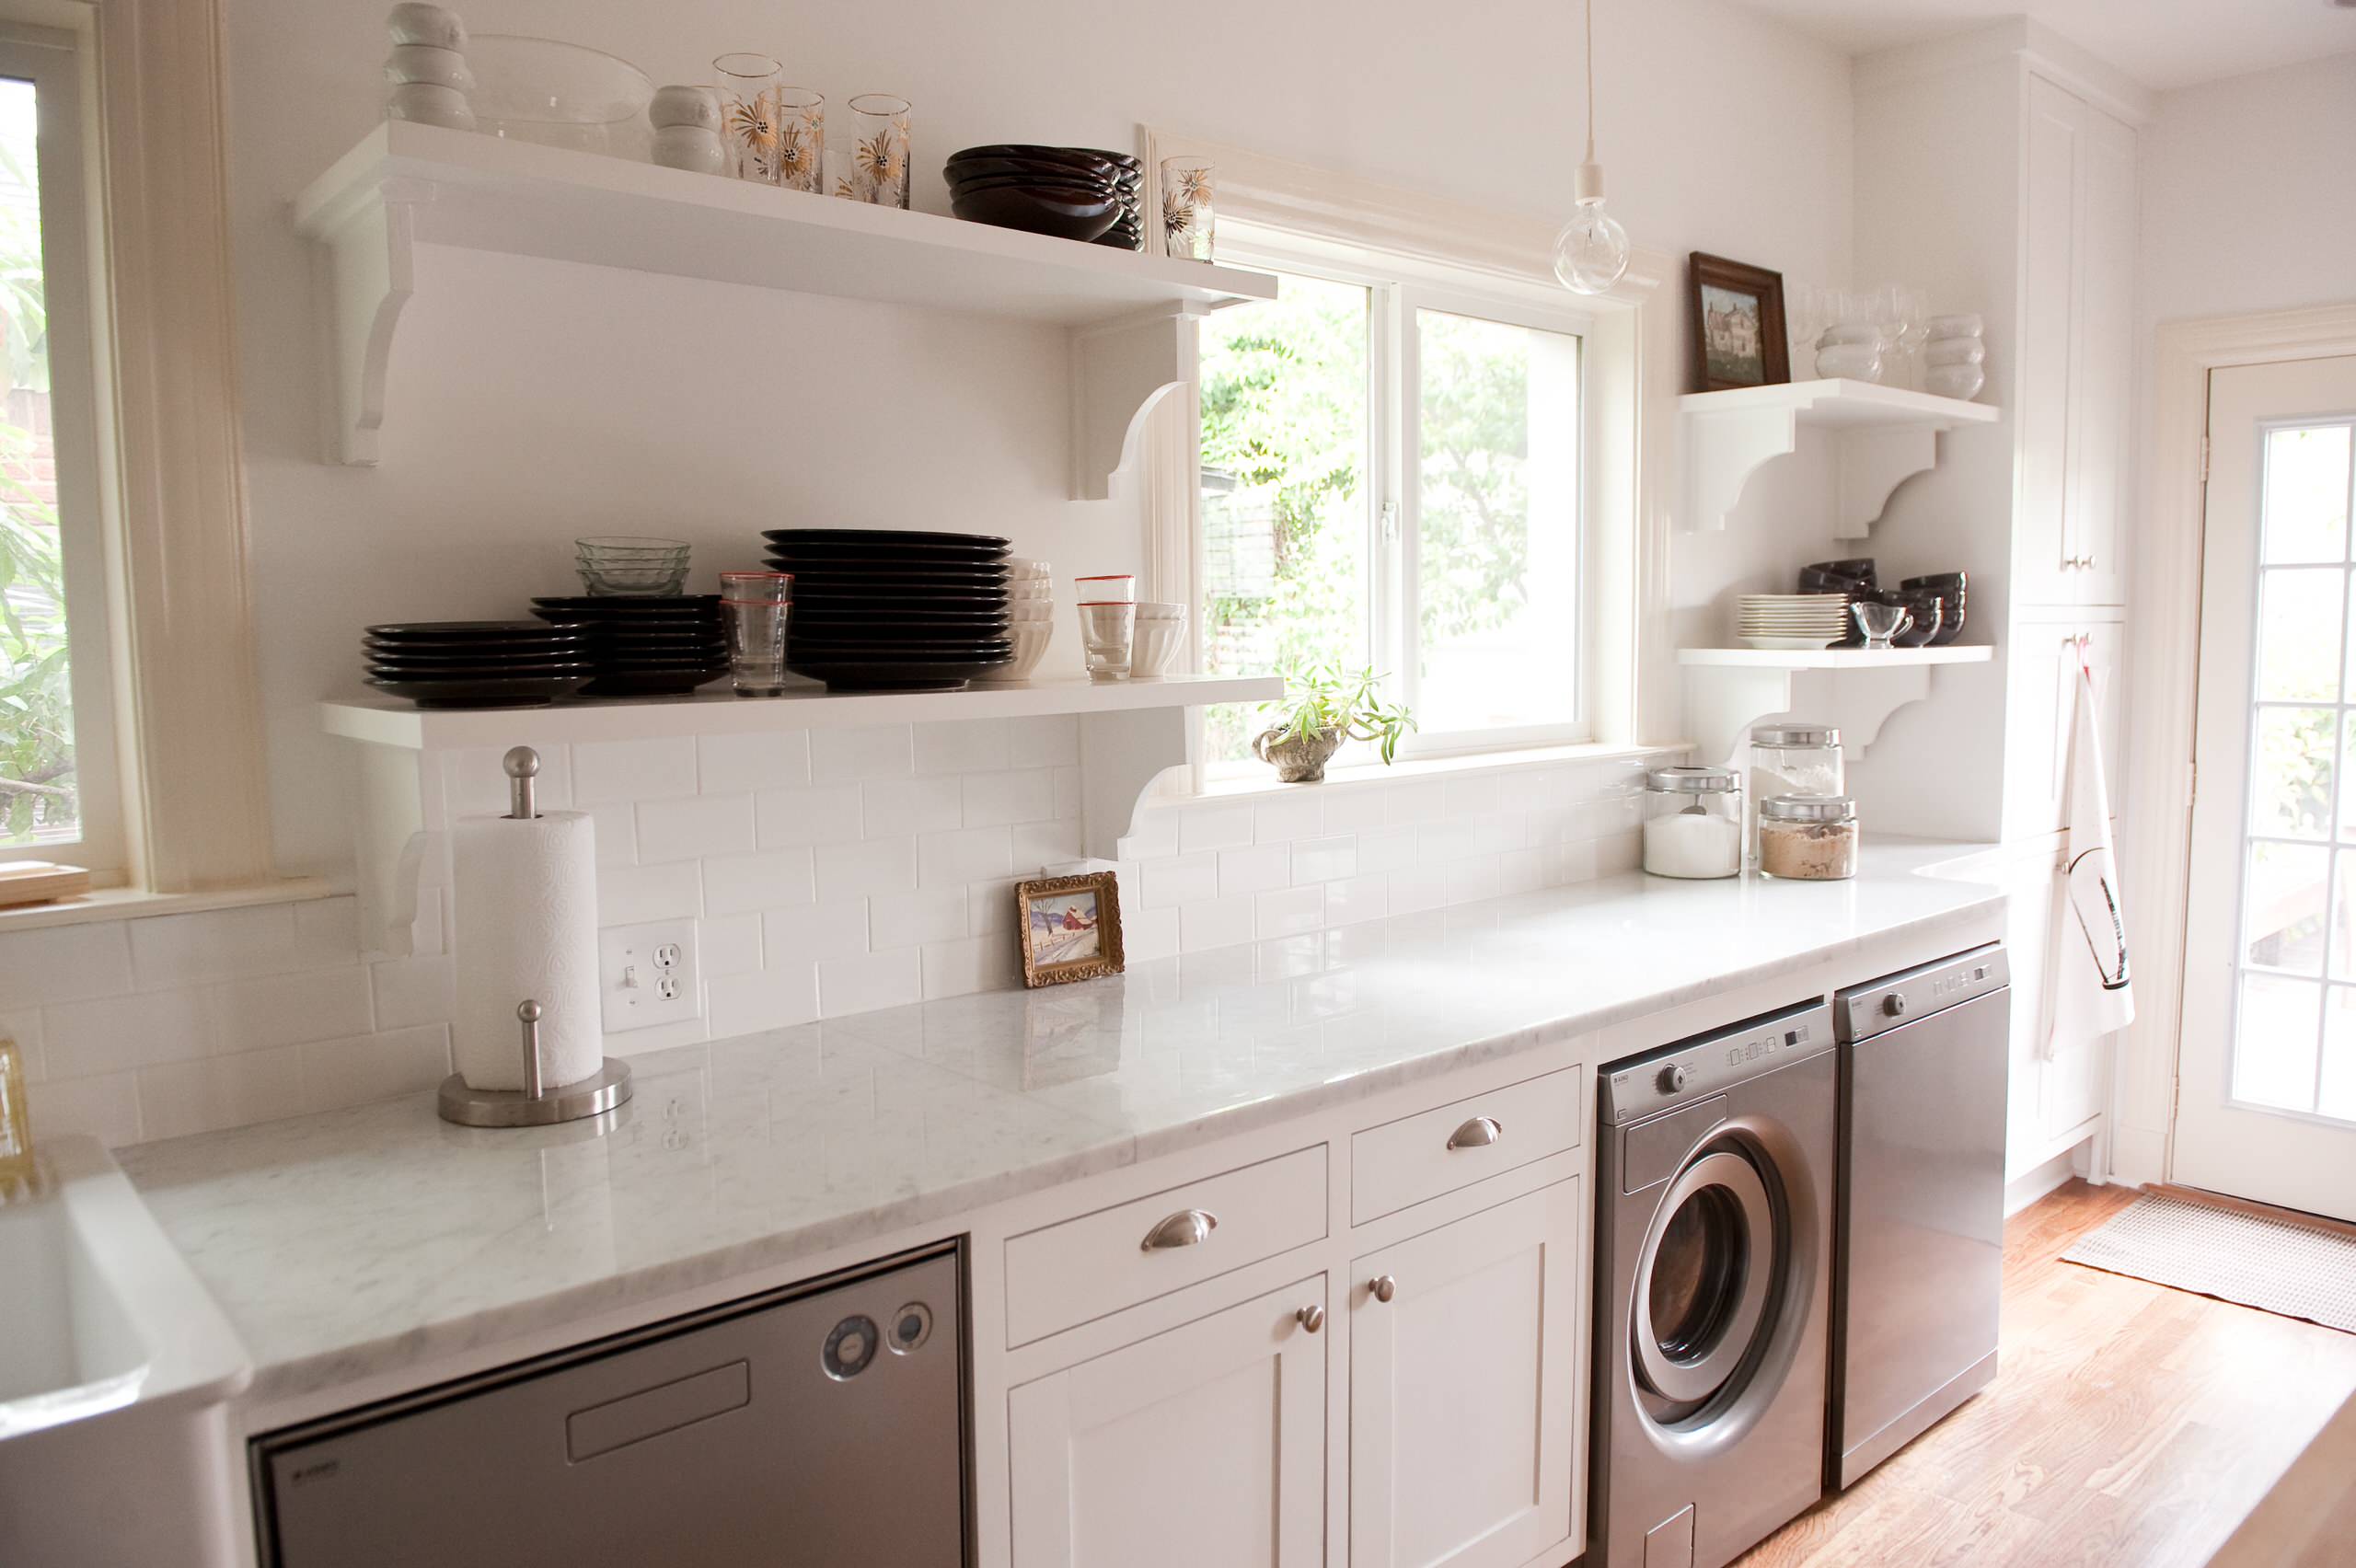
(1069, 192)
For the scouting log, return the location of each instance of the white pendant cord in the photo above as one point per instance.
(1590, 81)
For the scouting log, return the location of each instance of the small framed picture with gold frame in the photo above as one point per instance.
(1072, 928)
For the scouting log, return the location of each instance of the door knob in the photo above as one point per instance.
(1383, 1286)
(1311, 1317)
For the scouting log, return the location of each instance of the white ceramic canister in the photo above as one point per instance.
(690, 147)
(428, 104)
(433, 25)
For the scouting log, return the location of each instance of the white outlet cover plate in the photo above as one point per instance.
(630, 978)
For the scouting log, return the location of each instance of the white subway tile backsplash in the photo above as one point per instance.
(320, 1004)
(913, 920)
(1475, 795)
(799, 937)
(1035, 846)
(629, 894)
(1153, 836)
(375, 1066)
(1068, 801)
(1214, 825)
(327, 931)
(1358, 809)
(864, 984)
(972, 854)
(1050, 740)
(474, 782)
(213, 944)
(181, 1098)
(23, 1028)
(1439, 842)
(1386, 849)
(107, 1108)
(994, 799)
(1324, 859)
(693, 827)
(615, 830)
(774, 879)
(1356, 899)
(990, 907)
(1153, 933)
(744, 765)
(1298, 816)
(631, 770)
(727, 944)
(1499, 833)
(1185, 879)
(856, 756)
(907, 806)
(775, 998)
(1255, 869)
(1405, 803)
(1288, 912)
(410, 991)
(1215, 923)
(874, 865)
(818, 814)
(62, 963)
(975, 963)
(973, 746)
(111, 1034)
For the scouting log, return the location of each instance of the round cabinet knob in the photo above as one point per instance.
(1383, 1286)
(1894, 1004)
(1311, 1318)
(1673, 1078)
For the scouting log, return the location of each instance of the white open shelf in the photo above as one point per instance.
(406, 184)
(1830, 658)
(391, 721)
(1729, 689)
(1882, 436)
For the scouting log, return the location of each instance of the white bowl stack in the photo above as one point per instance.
(1791, 621)
(1953, 357)
(427, 68)
(1162, 630)
(1031, 625)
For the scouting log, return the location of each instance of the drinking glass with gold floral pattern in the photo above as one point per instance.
(879, 154)
(747, 86)
(800, 138)
(1186, 209)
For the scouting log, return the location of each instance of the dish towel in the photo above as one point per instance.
(2094, 996)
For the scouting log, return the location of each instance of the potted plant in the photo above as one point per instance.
(1320, 709)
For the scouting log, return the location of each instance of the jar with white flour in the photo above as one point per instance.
(1694, 821)
(1792, 757)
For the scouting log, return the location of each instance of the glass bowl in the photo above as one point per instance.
(560, 95)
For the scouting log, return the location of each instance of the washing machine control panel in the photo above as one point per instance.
(1708, 1063)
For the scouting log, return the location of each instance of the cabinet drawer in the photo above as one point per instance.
(1422, 1156)
(1070, 1272)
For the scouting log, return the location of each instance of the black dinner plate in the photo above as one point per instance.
(867, 674)
(822, 550)
(466, 631)
(605, 667)
(909, 600)
(880, 535)
(884, 578)
(906, 623)
(913, 652)
(1060, 187)
(1074, 157)
(486, 652)
(651, 682)
(627, 603)
(1033, 212)
(517, 692)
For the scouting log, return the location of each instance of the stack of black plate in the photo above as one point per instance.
(1070, 192)
(878, 609)
(644, 645)
(476, 664)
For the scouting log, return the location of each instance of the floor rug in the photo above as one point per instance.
(2276, 1265)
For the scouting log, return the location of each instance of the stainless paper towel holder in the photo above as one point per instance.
(535, 1104)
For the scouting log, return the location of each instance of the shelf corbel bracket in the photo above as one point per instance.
(1722, 451)
(1872, 465)
(1121, 371)
(1723, 703)
(364, 244)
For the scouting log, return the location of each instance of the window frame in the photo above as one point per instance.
(52, 60)
(1399, 286)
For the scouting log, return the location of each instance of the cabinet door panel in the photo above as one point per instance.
(2032, 891)
(1465, 1389)
(2103, 379)
(2042, 546)
(1202, 1445)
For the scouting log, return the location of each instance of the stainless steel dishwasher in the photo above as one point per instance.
(819, 1426)
(1919, 1258)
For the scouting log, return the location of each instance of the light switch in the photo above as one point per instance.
(647, 974)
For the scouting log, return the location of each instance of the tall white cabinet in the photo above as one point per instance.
(1998, 171)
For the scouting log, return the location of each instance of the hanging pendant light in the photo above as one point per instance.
(1592, 251)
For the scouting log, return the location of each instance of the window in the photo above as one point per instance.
(57, 793)
(1392, 476)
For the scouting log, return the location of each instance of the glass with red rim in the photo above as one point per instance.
(1118, 588)
(1108, 635)
(756, 605)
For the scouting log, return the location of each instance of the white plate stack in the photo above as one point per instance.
(1791, 621)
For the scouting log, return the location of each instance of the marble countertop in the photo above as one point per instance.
(364, 1242)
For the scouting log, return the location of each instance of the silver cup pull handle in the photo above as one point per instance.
(528, 1012)
(1187, 1228)
(1478, 1133)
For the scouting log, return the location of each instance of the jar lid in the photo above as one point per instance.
(1693, 781)
(1796, 735)
(1809, 807)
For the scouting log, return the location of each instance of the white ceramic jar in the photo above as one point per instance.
(431, 25)
(692, 147)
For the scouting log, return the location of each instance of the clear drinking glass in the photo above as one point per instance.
(879, 151)
(1108, 635)
(800, 138)
(747, 87)
(757, 605)
(1186, 216)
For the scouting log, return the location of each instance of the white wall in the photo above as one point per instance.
(531, 402)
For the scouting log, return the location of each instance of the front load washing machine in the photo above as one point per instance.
(1714, 1163)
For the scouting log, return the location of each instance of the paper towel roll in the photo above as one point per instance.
(526, 910)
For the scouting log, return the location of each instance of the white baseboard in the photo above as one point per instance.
(2139, 1156)
(2031, 1185)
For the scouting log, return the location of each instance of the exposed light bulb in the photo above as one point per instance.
(1592, 251)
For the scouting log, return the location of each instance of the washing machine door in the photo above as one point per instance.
(1705, 1280)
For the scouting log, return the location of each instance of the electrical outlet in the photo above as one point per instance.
(648, 974)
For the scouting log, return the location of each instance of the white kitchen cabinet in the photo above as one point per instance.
(2074, 390)
(2041, 716)
(1202, 1445)
(2032, 897)
(1465, 1438)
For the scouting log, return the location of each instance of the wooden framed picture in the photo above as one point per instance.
(1072, 928)
(1738, 324)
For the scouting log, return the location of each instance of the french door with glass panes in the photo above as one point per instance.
(2266, 1069)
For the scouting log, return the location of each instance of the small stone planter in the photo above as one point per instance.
(1298, 759)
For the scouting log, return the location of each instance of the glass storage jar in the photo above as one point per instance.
(1694, 821)
(1808, 837)
(1793, 758)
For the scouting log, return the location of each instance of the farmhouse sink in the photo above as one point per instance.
(115, 1368)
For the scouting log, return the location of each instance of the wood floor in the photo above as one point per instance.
(2130, 1424)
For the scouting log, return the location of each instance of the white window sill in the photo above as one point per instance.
(132, 903)
(1247, 781)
